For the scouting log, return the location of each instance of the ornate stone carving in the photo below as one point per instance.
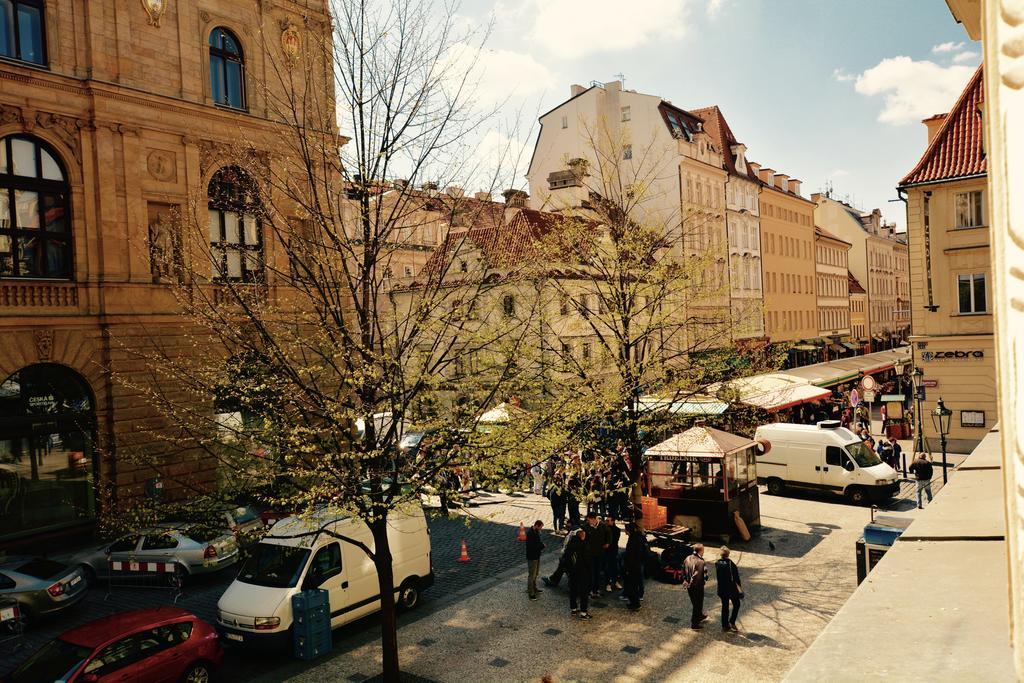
(291, 43)
(204, 15)
(164, 243)
(161, 164)
(44, 343)
(9, 114)
(65, 127)
(155, 9)
(219, 153)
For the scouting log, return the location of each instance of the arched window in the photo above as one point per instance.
(35, 212)
(236, 249)
(47, 465)
(227, 69)
(21, 30)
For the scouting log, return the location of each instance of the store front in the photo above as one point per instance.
(47, 463)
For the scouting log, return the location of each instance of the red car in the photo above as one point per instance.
(165, 644)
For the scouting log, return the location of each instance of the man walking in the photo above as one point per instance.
(556, 494)
(897, 455)
(922, 471)
(579, 566)
(534, 548)
(730, 590)
(597, 544)
(611, 555)
(633, 564)
(695, 575)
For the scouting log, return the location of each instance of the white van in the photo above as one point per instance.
(825, 456)
(257, 607)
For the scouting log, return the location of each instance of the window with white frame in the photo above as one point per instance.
(971, 293)
(625, 113)
(969, 209)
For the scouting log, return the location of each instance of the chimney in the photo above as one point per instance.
(794, 186)
(816, 197)
(454, 191)
(575, 89)
(482, 196)
(782, 181)
(430, 188)
(766, 175)
(515, 198)
(933, 123)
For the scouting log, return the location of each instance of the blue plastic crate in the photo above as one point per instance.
(878, 534)
(310, 599)
(312, 647)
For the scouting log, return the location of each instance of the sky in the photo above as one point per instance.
(827, 91)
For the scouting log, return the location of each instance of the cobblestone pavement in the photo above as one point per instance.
(489, 529)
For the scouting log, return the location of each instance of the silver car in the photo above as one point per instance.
(189, 548)
(40, 586)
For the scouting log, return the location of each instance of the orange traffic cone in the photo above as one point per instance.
(522, 532)
(464, 557)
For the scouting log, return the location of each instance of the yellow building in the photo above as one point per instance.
(831, 257)
(950, 272)
(787, 253)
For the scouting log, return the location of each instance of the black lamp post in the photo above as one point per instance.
(917, 377)
(941, 417)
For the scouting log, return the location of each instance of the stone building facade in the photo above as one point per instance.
(114, 117)
(831, 256)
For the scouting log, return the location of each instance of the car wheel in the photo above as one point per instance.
(89, 574)
(857, 495)
(409, 594)
(776, 486)
(198, 673)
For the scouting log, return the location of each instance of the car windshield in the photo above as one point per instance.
(55, 661)
(41, 568)
(862, 455)
(276, 566)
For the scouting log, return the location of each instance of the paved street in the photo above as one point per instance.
(478, 609)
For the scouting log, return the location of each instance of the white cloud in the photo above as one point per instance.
(913, 89)
(947, 47)
(497, 76)
(570, 29)
(714, 7)
(838, 173)
(966, 57)
(842, 76)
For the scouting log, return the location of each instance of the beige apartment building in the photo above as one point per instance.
(743, 227)
(606, 141)
(831, 256)
(858, 315)
(875, 256)
(790, 271)
(951, 318)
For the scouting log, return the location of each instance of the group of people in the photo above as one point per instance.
(592, 561)
(579, 483)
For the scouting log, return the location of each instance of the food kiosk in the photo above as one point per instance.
(708, 475)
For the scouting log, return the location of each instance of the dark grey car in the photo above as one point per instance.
(41, 586)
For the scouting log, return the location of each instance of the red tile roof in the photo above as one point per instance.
(855, 287)
(717, 127)
(956, 150)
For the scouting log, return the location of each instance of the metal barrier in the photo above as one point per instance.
(12, 625)
(151, 575)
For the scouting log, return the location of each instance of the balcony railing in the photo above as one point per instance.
(24, 294)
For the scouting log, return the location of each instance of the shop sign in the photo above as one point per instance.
(931, 383)
(957, 355)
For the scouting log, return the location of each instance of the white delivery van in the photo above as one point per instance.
(825, 456)
(256, 609)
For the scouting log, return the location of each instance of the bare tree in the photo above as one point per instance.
(301, 367)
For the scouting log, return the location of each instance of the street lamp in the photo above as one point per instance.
(941, 417)
(918, 385)
(898, 367)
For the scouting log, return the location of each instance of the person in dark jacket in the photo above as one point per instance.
(534, 548)
(597, 544)
(730, 590)
(577, 560)
(695, 575)
(611, 555)
(633, 564)
(922, 471)
(556, 494)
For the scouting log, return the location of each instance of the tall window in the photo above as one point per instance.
(35, 226)
(236, 250)
(626, 114)
(227, 69)
(969, 213)
(971, 290)
(21, 30)
(627, 152)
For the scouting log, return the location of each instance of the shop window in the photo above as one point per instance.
(47, 427)
(35, 226)
(22, 31)
(236, 249)
(227, 69)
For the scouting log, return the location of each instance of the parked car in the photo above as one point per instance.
(160, 645)
(192, 548)
(244, 520)
(256, 609)
(41, 586)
